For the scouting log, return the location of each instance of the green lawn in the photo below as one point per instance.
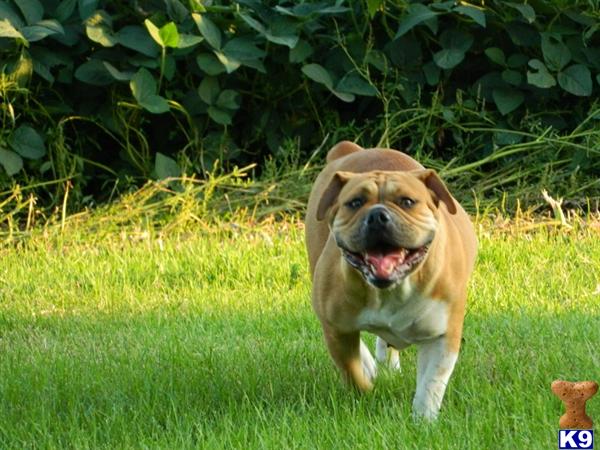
(206, 341)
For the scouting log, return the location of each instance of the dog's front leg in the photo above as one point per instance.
(352, 356)
(435, 363)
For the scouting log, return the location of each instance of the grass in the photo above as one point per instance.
(207, 340)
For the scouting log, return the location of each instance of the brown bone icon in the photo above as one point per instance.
(574, 396)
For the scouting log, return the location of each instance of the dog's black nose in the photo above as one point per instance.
(378, 217)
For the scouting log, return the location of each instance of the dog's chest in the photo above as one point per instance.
(402, 317)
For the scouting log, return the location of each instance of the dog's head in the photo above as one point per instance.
(384, 222)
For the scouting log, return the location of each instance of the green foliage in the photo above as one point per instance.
(102, 92)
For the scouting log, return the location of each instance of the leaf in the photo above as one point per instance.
(373, 6)
(405, 52)
(448, 58)
(169, 35)
(526, 10)
(598, 78)
(9, 14)
(8, 31)
(507, 138)
(188, 40)
(41, 30)
(209, 90)
(87, 8)
(512, 77)
(243, 49)
(542, 78)
(577, 80)
(255, 64)
(300, 51)
(289, 40)
(580, 18)
(473, 12)
(154, 32)
(27, 142)
(143, 88)
(22, 69)
(176, 10)
(117, 74)
(456, 39)
(43, 71)
(343, 96)
(417, 13)
(319, 74)
(443, 6)
(64, 10)
(377, 59)
(210, 64)
(281, 31)
(522, 34)
(517, 60)
(556, 54)
(228, 99)
(165, 167)
(32, 10)
(136, 38)
(98, 27)
(229, 63)
(507, 99)
(306, 10)
(355, 84)
(219, 115)
(208, 29)
(253, 23)
(496, 55)
(169, 68)
(71, 37)
(11, 162)
(93, 72)
(432, 73)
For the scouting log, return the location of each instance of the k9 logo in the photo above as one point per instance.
(569, 439)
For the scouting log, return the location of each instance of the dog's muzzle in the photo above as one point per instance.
(383, 260)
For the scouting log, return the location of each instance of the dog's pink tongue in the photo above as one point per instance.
(384, 265)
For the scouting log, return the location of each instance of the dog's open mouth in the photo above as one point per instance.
(383, 267)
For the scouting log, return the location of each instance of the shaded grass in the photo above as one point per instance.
(208, 340)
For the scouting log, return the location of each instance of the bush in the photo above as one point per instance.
(108, 94)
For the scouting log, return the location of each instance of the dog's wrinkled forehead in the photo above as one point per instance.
(380, 186)
(423, 186)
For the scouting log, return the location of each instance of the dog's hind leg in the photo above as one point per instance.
(386, 354)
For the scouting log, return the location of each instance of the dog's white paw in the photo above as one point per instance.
(387, 355)
(368, 363)
(424, 410)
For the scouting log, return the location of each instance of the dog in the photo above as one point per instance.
(390, 252)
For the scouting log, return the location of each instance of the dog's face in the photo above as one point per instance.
(384, 222)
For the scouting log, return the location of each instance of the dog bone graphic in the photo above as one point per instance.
(574, 395)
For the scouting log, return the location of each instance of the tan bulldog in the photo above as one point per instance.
(390, 252)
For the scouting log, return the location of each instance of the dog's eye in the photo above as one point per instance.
(406, 203)
(355, 203)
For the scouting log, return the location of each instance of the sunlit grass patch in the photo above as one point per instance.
(207, 339)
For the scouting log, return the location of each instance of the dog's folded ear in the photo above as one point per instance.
(437, 188)
(331, 193)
